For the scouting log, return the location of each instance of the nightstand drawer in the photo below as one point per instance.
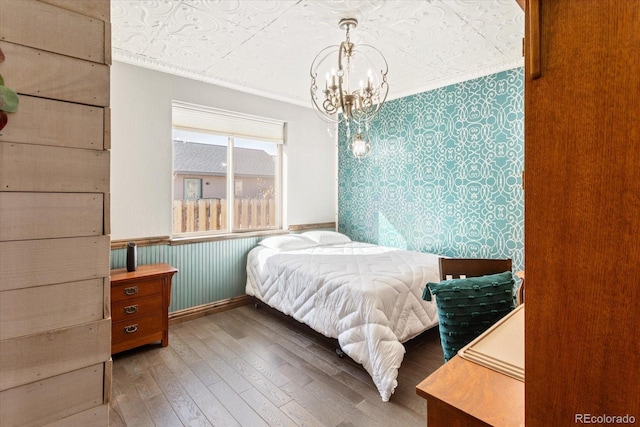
(136, 307)
(140, 288)
(135, 332)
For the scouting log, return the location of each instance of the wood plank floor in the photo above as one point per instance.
(250, 367)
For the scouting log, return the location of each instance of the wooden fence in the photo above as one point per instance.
(211, 214)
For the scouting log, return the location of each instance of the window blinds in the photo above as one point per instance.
(223, 122)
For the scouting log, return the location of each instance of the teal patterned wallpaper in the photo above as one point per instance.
(444, 173)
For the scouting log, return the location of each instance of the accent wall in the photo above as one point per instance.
(444, 174)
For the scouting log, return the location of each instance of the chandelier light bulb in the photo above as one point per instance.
(360, 147)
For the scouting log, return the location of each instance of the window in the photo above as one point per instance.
(226, 171)
(192, 188)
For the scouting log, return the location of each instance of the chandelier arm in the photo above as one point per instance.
(341, 74)
(326, 118)
(321, 56)
(373, 112)
(317, 61)
(320, 112)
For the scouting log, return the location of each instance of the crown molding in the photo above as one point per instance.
(142, 61)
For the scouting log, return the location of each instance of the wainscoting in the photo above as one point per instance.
(207, 272)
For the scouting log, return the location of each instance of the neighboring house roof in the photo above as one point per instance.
(206, 159)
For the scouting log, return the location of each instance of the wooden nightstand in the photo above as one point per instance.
(140, 306)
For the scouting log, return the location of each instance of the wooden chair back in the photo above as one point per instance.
(454, 268)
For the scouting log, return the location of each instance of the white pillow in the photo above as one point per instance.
(327, 237)
(288, 242)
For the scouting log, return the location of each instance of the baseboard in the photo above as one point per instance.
(206, 309)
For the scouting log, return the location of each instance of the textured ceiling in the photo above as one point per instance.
(266, 47)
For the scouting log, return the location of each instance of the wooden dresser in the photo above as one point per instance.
(462, 393)
(140, 306)
(483, 385)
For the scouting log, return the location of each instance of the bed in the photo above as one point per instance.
(366, 296)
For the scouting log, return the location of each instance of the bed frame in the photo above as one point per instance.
(453, 268)
(331, 343)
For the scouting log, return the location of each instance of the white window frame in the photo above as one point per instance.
(233, 125)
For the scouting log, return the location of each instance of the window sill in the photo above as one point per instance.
(184, 240)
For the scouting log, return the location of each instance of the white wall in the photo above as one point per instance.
(141, 158)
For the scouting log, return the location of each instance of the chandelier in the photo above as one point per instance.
(353, 90)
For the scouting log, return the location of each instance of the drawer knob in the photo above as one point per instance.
(131, 309)
(131, 291)
(131, 329)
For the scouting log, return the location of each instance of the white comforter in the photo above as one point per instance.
(368, 297)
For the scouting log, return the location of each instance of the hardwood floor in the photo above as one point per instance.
(250, 367)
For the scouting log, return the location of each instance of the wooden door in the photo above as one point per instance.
(582, 212)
